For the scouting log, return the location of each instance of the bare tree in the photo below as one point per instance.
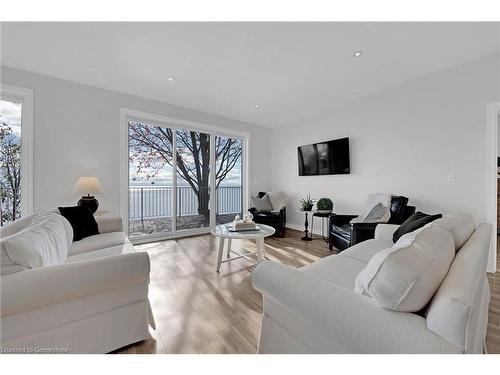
(10, 174)
(151, 148)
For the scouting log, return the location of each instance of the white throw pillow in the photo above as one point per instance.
(45, 242)
(277, 200)
(262, 204)
(372, 201)
(460, 225)
(376, 214)
(406, 276)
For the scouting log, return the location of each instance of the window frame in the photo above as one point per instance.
(25, 97)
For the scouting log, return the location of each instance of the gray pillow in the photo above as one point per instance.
(375, 214)
(262, 204)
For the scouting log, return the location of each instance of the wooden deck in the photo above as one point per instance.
(140, 227)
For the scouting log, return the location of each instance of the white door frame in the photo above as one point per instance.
(25, 96)
(175, 123)
(493, 111)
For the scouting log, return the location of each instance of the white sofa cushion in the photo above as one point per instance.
(7, 266)
(16, 226)
(406, 276)
(341, 271)
(109, 224)
(44, 242)
(365, 250)
(460, 225)
(126, 248)
(97, 242)
(10, 268)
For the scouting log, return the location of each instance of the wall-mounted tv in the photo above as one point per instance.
(331, 157)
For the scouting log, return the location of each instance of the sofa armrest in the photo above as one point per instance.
(385, 231)
(343, 316)
(37, 287)
(109, 224)
(282, 212)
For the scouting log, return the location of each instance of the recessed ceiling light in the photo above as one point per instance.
(357, 53)
(171, 79)
(256, 106)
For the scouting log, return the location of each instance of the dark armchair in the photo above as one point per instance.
(343, 234)
(275, 219)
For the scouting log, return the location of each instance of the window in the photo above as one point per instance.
(180, 179)
(15, 153)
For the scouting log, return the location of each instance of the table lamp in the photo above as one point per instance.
(88, 187)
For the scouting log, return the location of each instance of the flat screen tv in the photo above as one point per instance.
(331, 157)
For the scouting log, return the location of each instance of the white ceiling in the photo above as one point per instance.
(291, 70)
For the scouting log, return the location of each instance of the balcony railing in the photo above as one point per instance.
(149, 202)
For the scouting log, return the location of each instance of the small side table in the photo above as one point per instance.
(323, 216)
(306, 225)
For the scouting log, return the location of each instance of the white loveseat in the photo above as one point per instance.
(314, 309)
(96, 302)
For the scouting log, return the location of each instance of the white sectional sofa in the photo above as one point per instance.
(96, 302)
(315, 309)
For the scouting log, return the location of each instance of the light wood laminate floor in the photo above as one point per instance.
(200, 311)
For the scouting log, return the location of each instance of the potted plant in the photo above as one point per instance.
(307, 203)
(324, 206)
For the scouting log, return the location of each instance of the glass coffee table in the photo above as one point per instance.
(224, 234)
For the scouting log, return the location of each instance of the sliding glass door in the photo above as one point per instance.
(193, 179)
(170, 180)
(150, 189)
(229, 178)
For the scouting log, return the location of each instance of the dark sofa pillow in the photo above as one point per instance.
(82, 221)
(415, 221)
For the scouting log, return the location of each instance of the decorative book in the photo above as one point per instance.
(244, 226)
(240, 225)
(231, 228)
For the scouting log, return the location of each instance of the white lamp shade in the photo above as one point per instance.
(87, 186)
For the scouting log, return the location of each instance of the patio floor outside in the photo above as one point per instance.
(138, 227)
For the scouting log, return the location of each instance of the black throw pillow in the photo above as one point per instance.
(82, 221)
(415, 221)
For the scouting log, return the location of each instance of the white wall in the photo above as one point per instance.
(76, 133)
(404, 140)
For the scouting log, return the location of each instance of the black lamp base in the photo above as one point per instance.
(90, 202)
